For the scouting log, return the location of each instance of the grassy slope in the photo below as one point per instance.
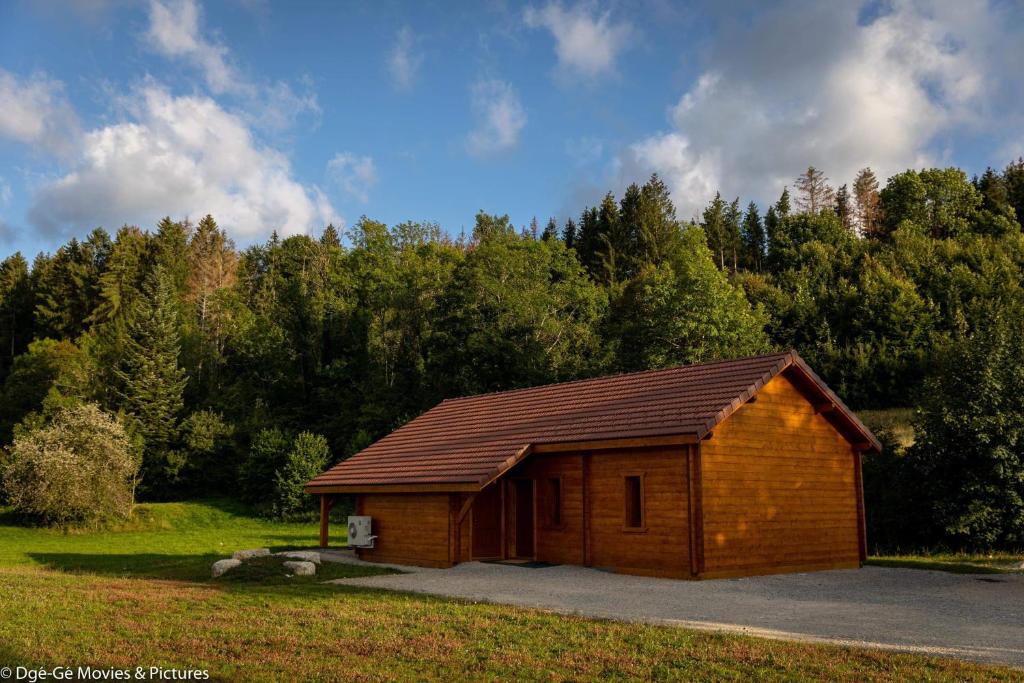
(141, 597)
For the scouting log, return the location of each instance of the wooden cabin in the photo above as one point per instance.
(731, 468)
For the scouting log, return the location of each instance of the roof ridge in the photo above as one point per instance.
(617, 375)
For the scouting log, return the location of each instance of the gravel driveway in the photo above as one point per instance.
(978, 617)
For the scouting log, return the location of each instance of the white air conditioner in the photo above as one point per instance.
(359, 532)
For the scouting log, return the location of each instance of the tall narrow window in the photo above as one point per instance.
(554, 502)
(634, 502)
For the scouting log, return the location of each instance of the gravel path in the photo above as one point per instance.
(978, 617)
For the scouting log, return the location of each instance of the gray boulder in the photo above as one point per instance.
(249, 554)
(304, 555)
(221, 566)
(300, 568)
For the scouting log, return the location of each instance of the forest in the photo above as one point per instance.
(244, 372)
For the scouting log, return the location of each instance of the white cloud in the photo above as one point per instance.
(174, 32)
(355, 175)
(500, 117)
(586, 43)
(404, 61)
(829, 92)
(34, 111)
(178, 156)
(280, 106)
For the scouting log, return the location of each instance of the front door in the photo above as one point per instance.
(524, 527)
(486, 515)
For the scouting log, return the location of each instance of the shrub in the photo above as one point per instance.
(78, 469)
(267, 455)
(307, 458)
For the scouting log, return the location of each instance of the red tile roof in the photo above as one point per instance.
(472, 440)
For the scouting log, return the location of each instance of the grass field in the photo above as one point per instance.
(956, 563)
(142, 596)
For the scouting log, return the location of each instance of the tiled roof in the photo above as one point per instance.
(471, 440)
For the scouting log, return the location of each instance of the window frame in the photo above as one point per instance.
(548, 521)
(641, 503)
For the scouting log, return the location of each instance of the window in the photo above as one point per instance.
(634, 502)
(554, 507)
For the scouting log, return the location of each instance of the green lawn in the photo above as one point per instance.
(955, 563)
(142, 596)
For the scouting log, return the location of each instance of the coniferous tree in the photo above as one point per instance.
(612, 250)
(15, 310)
(152, 382)
(588, 241)
(658, 234)
(782, 207)
(569, 233)
(715, 228)
(754, 239)
(844, 209)
(815, 193)
(550, 230)
(865, 193)
(213, 265)
(1013, 177)
(733, 232)
(329, 237)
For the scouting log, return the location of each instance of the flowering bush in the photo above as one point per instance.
(80, 468)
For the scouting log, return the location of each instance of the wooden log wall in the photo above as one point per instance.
(779, 489)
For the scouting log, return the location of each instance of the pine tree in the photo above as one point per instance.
(550, 230)
(754, 241)
(588, 242)
(782, 207)
(658, 235)
(569, 233)
(152, 383)
(213, 267)
(330, 237)
(15, 310)
(714, 228)
(733, 234)
(611, 249)
(171, 245)
(844, 209)
(815, 192)
(865, 193)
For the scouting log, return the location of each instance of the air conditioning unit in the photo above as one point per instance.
(359, 532)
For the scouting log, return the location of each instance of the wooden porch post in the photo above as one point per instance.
(326, 503)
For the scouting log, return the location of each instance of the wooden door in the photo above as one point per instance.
(524, 518)
(486, 519)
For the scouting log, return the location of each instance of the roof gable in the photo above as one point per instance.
(467, 442)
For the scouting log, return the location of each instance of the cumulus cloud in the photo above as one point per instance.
(499, 116)
(355, 175)
(181, 156)
(586, 42)
(833, 91)
(174, 32)
(34, 111)
(404, 61)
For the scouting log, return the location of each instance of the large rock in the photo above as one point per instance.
(249, 554)
(301, 568)
(304, 555)
(221, 566)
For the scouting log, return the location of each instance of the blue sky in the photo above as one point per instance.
(287, 116)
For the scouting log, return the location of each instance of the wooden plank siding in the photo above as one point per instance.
(560, 543)
(779, 489)
(411, 528)
(661, 547)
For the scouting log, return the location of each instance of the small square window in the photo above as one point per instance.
(554, 506)
(634, 502)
